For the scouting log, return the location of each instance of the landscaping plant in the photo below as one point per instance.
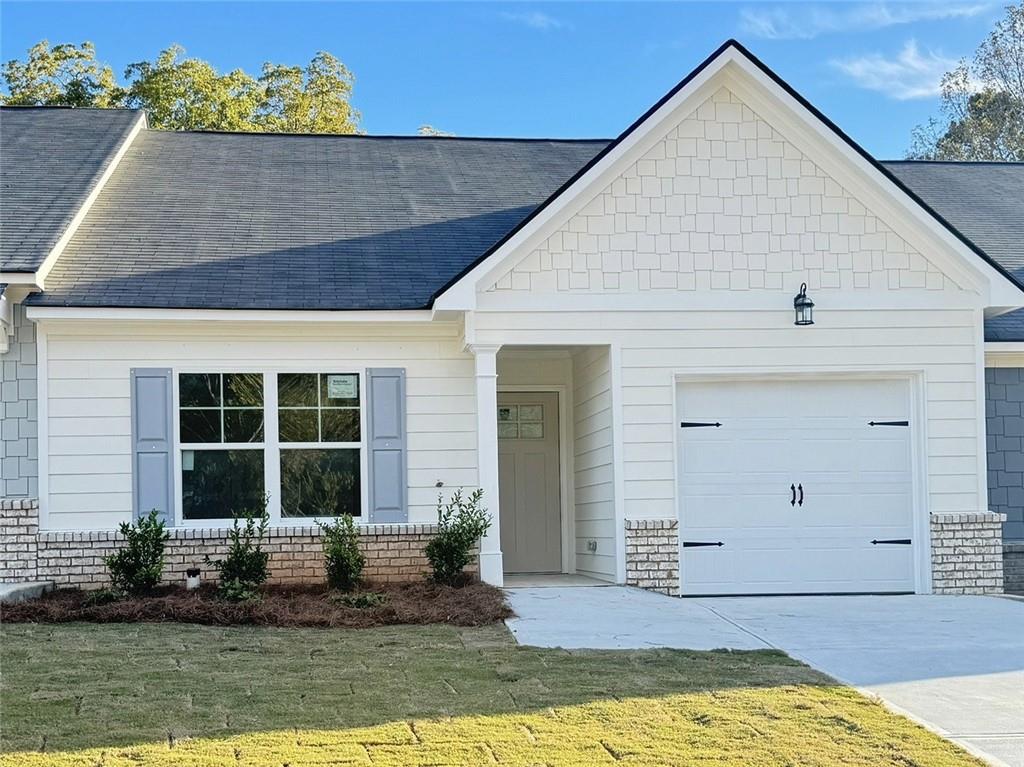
(461, 524)
(342, 558)
(244, 569)
(136, 568)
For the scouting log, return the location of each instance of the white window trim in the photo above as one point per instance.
(271, 445)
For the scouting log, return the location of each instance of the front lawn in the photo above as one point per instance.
(173, 694)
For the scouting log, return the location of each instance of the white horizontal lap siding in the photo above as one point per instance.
(657, 346)
(593, 461)
(89, 405)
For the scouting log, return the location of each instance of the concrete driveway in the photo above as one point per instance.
(955, 664)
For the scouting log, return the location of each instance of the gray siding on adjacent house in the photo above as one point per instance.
(18, 430)
(1004, 410)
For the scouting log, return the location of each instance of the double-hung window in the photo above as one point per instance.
(221, 434)
(292, 438)
(320, 438)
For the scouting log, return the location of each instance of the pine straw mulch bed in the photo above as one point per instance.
(417, 603)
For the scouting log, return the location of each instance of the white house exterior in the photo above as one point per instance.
(620, 373)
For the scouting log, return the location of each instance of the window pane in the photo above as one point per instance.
(218, 483)
(296, 389)
(200, 425)
(199, 389)
(319, 483)
(243, 425)
(339, 425)
(339, 390)
(297, 425)
(243, 389)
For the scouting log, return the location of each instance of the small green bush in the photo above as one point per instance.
(461, 522)
(342, 558)
(244, 569)
(101, 597)
(136, 568)
(361, 601)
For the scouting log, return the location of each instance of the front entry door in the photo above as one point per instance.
(528, 478)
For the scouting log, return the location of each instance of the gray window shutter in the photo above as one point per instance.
(387, 443)
(152, 442)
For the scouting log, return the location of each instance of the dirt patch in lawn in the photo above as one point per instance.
(416, 603)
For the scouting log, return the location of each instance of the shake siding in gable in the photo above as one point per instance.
(696, 250)
(592, 456)
(89, 416)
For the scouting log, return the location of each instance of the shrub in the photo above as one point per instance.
(137, 567)
(342, 558)
(101, 597)
(461, 523)
(244, 569)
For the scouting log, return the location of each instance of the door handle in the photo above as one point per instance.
(792, 501)
(801, 489)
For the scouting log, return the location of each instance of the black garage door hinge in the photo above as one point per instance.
(694, 544)
(899, 541)
(698, 424)
(888, 423)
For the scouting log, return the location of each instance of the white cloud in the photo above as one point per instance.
(535, 20)
(910, 74)
(803, 22)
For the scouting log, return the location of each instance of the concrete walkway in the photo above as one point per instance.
(955, 664)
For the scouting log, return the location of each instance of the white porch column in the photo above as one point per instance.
(491, 570)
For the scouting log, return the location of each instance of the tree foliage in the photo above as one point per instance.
(982, 101)
(182, 93)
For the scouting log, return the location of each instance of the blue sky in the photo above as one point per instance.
(569, 69)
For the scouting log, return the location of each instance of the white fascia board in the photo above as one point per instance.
(462, 295)
(227, 315)
(1001, 290)
(72, 227)
(732, 68)
(1004, 347)
(25, 279)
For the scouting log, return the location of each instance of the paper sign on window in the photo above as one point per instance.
(342, 386)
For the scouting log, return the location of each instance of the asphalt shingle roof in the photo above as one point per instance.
(221, 220)
(50, 159)
(985, 202)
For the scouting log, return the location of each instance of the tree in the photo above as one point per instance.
(64, 75)
(313, 100)
(982, 102)
(181, 93)
(430, 130)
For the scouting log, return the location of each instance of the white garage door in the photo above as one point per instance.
(791, 487)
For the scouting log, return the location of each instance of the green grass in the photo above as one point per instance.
(171, 694)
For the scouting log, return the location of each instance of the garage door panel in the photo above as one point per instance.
(735, 487)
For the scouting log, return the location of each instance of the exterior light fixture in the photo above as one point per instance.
(804, 307)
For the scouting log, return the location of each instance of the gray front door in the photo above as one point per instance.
(528, 478)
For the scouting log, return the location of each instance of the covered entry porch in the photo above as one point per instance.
(547, 447)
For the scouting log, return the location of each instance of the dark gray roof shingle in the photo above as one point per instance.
(985, 202)
(220, 220)
(50, 160)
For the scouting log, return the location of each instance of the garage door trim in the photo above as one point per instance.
(918, 440)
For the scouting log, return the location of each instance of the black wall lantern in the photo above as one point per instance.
(804, 307)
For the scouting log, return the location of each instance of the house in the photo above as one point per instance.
(601, 335)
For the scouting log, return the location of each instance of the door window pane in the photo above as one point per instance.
(320, 483)
(216, 484)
